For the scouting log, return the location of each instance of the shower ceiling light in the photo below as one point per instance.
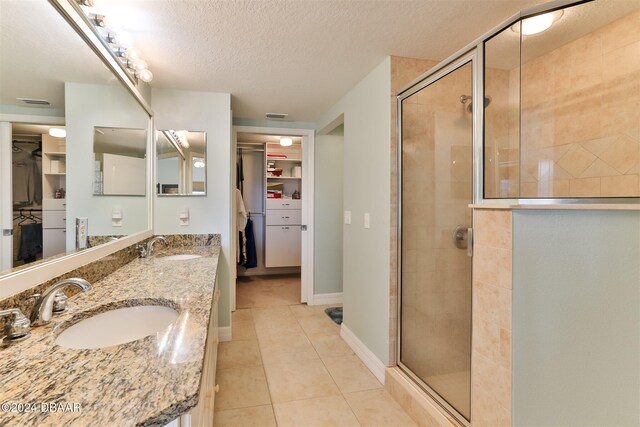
(537, 24)
(285, 142)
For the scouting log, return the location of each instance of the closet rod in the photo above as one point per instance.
(250, 150)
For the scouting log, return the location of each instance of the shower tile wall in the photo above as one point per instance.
(403, 71)
(492, 290)
(580, 114)
(437, 189)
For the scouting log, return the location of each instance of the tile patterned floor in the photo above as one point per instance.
(287, 366)
(267, 291)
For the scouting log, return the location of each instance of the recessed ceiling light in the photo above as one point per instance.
(58, 132)
(285, 142)
(537, 24)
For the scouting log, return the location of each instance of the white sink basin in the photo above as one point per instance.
(118, 326)
(181, 257)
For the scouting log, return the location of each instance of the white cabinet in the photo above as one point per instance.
(284, 204)
(283, 246)
(284, 217)
(54, 224)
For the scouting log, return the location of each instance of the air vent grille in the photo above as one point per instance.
(276, 116)
(38, 102)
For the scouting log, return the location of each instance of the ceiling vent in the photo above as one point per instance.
(36, 102)
(278, 116)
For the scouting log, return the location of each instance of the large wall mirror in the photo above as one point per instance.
(562, 119)
(62, 110)
(181, 163)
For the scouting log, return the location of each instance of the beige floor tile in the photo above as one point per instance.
(273, 355)
(241, 388)
(330, 345)
(257, 416)
(267, 291)
(320, 412)
(243, 330)
(297, 380)
(235, 354)
(272, 317)
(319, 325)
(350, 374)
(304, 310)
(289, 342)
(376, 408)
(241, 315)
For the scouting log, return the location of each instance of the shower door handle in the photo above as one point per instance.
(463, 238)
(470, 241)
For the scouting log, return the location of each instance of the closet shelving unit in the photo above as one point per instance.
(283, 236)
(54, 211)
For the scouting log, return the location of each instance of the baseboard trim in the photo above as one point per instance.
(224, 333)
(323, 299)
(370, 360)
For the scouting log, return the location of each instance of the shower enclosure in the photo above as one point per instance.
(437, 189)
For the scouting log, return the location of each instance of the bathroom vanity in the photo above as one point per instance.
(153, 380)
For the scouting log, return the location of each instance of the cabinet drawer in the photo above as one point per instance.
(284, 204)
(54, 242)
(54, 219)
(54, 204)
(284, 217)
(283, 246)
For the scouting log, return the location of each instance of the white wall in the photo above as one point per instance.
(210, 113)
(328, 212)
(367, 115)
(89, 105)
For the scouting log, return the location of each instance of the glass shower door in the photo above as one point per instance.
(437, 188)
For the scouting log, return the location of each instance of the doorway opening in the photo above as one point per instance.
(273, 217)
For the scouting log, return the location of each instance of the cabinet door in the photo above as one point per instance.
(53, 241)
(284, 217)
(283, 246)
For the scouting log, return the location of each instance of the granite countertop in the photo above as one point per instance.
(146, 382)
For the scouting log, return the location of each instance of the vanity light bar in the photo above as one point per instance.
(119, 44)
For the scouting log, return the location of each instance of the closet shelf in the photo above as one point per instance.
(276, 159)
(55, 153)
(282, 177)
(55, 174)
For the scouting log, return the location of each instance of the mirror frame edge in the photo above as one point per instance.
(15, 282)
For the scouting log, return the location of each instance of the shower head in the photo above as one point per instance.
(465, 98)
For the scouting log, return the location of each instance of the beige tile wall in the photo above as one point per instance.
(491, 343)
(581, 116)
(403, 71)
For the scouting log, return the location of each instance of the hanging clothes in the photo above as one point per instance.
(251, 260)
(240, 174)
(241, 222)
(27, 180)
(30, 241)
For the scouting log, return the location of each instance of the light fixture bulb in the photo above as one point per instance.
(99, 20)
(140, 64)
(145, 75)
(132, 54)
(285, 142)
(182, 138)
(58, 132)
(537, 24)
(198, 162)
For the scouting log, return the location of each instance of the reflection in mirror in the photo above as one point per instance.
(578, 95)
(181, 163)
(119, 161)
(54, 92)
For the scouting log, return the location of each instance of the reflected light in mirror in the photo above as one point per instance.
(285, 142)
(58, 132)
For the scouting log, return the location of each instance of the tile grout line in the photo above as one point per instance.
(273, 409)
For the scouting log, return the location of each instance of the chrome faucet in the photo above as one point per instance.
(53, 300)
(18, 328)
(148, 250)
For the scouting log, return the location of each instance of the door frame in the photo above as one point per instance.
(308, 144)
(475, 59)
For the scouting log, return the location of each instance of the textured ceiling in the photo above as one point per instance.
(297, 56)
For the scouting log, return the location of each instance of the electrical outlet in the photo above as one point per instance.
(367, 220)
(347, 217)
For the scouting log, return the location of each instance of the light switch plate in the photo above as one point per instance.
(347, 217)
(367, 220)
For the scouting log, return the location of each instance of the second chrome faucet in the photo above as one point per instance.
(53, 300)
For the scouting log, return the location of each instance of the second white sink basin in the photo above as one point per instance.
(118, 326)
(181, 257)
